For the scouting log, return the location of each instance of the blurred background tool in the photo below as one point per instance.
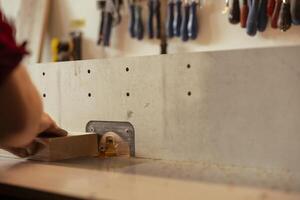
(262, 20)
(66, 50)
(244, 13)
(108, 22)
(110, 16)
(61, 50)
(185, 21)
(193, 21)
(77, 44)
(163, 29)
(255, 14)
(295, 11)
(234, 12)
(170, 18)
(252, 17)
(101, 7)
(285, 19)
(136, 27)
(154, 19)
(131, 6)
(271, 6)
(275, 16)
(138, 22)
(177, 18)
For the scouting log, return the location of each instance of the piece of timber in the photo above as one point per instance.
(31, 25)
(62, 148)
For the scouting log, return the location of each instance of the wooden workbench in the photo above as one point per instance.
(124, 178)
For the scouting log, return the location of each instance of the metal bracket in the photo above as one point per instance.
(124, 129)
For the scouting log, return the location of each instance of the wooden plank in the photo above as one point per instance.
(62, 148)
(31, 26)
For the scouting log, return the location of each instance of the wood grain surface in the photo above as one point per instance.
(62, 148)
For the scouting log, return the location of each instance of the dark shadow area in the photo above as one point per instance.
(11, 192)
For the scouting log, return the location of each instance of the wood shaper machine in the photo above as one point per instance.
(103, 139)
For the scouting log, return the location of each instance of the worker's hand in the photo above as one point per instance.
(27, 151)
(47, 128)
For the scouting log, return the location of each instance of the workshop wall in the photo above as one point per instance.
(215, 31)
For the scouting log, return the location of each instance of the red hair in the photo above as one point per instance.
(11, 53)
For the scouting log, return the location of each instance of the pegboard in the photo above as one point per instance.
(236, 107)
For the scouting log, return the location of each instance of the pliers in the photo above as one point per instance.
(154, 14)
(110, 16)
(189, 26)
(136, 27)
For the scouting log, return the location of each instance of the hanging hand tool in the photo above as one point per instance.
(274, 20)
(150, 19)
(138, 22)
(252, 17)
(132, 19)
(61, 50)
(244, 14)
(67, 50)
(177, 18)
(193, 21)
(110, 16)
(170, 19)
(185, 21)
(117, 14)
(285, 19)
(136, 27)
(77, 44)
(101, 7)
(163, 31)
(271, 6)
(262, 20)
(154, 12)
(234, 12)
(295, 11)
(108, 22)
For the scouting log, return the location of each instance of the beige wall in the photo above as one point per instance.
(216, 33)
